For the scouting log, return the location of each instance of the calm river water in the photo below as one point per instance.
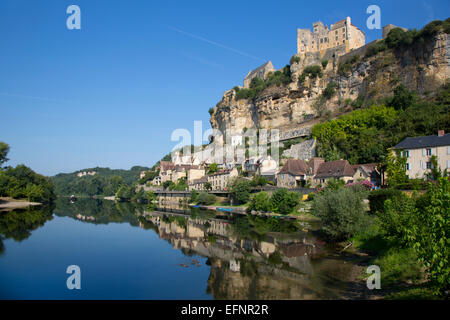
(126, 251)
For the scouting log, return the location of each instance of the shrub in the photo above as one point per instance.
(194, 196)
(283, 201)
(376, 48)
(346, 66)
(211, 111)
(330, 90)
(378, 197)
(240, 189)
(259, 181)
(294, 59)
(324, 64)
(342, 212)
(206, 198)
(260, 202)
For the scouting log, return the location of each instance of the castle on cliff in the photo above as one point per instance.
(342, 35)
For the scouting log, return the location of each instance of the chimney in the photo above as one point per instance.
(441, 133)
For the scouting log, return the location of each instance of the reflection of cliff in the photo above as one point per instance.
(273, 268)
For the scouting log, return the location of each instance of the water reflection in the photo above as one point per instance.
(18, 224)
(249, 257)
(252, 257)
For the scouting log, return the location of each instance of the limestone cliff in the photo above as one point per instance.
(423, 67)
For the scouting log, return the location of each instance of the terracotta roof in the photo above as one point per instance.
(335, 169)
(295, 167)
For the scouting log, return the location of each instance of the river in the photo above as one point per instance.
(127, 251)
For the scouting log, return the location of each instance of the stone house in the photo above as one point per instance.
(220, 179)
(340, 170)
(260, 72)
(198, 184)
(267, 168)
(419, 151)
(194, 173)
(368, 172)
(293, 174)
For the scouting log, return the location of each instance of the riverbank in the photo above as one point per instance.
(7, 204)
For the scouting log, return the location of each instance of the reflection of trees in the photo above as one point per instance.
(99, 211)
(18, 224)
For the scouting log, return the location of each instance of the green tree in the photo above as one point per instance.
(194, 196)
(260, 202)
(429, 235)
(4, 150)
(396, 168)
(342, 212)
(212, 168)
(240, 189)
(283, 201)
(206, 198)
(124, 193)
(259, 181)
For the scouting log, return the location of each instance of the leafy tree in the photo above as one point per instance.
(240, 189)
(342, 212)
(194, 196)
(168, 184)
(208, 186)
(259, 181)
(429, 235)
(403, 98)
(436, 171)
(124, 193)
(22, 182)
(335, 184)
(283, 201)
(4, 150)
(206, 198)
(396, 169)
(260, 202)
(213, 168)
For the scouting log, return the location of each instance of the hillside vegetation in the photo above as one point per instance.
(105, 182)
(364, 135)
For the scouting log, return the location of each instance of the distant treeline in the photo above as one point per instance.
(105, 181)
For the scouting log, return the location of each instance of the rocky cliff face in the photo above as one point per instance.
(422, 68)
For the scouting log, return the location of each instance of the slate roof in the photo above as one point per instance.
(424, 142)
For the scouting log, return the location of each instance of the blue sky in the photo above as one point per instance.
(111, 93)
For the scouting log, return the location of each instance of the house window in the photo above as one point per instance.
(448, 150)
(448, 164)
(407, 166)
(429, 165)
(429, 152)
(406, 153)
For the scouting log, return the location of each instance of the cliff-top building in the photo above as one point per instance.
(341, 35)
